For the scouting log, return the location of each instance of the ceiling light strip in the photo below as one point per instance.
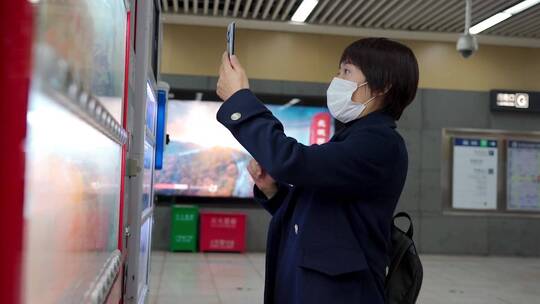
(501, 16)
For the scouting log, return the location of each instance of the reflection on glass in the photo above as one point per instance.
(144, 251)
(151, 108)
(71, 202)
(72, 170)
(90, 36)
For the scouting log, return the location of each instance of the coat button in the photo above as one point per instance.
(296, 229)
(236, 116)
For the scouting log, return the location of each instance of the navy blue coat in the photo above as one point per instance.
(329, 236)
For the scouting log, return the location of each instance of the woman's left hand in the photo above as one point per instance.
(232, 77)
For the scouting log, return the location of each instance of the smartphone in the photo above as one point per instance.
(231, 31)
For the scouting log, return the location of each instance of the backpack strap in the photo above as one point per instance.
(401, 249)
(402, 246)
(409, 231)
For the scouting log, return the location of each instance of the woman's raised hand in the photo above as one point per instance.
(232, 77)
(262, 179)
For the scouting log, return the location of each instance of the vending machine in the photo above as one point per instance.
(80, 111)
(73, 146)
(141, 155)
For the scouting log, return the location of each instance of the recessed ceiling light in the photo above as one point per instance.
(303, 11)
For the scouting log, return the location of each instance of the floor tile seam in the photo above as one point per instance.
(161, 270)
(212, 278)
(254, 266)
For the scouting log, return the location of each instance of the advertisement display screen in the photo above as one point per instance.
(474, 174)
(523, 175)
(204, 159)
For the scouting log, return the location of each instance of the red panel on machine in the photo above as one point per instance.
(15, 59)
(223, 232)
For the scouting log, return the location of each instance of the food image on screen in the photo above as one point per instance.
(204, 159)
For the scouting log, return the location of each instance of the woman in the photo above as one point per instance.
(332, 204)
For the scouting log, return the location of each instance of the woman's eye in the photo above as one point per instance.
(347, 71)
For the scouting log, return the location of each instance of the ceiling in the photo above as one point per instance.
(415, 16)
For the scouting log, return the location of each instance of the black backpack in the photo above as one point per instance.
(405, 273)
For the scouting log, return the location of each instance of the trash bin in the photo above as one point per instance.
(223, 232)
(184, 225)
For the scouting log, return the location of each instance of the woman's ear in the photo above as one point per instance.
(383, 92)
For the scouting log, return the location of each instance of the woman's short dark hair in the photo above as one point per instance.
(387, 65)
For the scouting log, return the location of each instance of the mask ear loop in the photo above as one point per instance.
(365, 103)
(369, 101)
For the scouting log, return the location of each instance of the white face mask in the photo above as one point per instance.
(339, 100)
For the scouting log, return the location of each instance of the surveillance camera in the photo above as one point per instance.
(467, 45)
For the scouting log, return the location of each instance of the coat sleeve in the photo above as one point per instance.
(271, 205)
(355, 164)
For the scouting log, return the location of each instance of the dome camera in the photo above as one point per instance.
(467, 45)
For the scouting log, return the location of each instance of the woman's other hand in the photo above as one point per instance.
(232, 77)
(262, 179)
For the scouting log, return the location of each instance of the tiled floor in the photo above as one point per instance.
(184, 278)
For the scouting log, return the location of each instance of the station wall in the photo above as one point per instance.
(195, 50)
(453, 94)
